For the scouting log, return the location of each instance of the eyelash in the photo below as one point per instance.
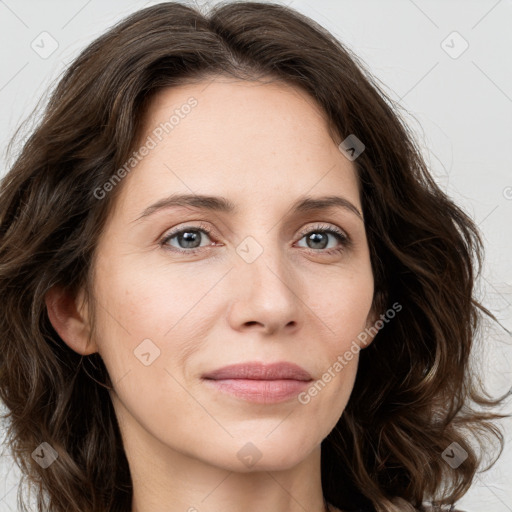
(338, 233)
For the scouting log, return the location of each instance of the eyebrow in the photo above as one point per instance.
(221, 204)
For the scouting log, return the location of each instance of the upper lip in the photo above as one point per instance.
(260, 371)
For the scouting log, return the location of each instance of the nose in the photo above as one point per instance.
(265, 295)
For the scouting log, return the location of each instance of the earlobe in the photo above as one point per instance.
(371, 319)
(68, 320)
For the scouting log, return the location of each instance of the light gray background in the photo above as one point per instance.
(460, 107)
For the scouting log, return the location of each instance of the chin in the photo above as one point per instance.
(269, 455)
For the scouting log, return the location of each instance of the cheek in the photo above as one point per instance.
(146, 310)
(343, 304)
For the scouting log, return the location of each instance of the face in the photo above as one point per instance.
(188, 288)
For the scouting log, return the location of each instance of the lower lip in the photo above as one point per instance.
(260, 391)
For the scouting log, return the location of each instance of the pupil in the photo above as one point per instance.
(188, 237)
(315, 239)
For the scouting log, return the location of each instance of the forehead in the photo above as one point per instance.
(238, 139)
(223, 96)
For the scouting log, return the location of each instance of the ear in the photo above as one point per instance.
(369, 332)
(69, 318)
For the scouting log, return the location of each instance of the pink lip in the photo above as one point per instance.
(260, 371)
(258, 382)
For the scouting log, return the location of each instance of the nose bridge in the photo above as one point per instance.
(264, 283)
(263, 257)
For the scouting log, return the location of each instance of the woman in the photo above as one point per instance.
(229, 281)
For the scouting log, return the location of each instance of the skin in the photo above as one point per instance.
(262, 146)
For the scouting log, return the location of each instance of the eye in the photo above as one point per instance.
(187, 238)
(318, 238)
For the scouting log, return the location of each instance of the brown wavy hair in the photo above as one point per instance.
(415, 392)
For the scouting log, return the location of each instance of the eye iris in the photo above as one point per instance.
(189, 237)
(317, 238)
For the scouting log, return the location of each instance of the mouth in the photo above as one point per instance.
(259, 383)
